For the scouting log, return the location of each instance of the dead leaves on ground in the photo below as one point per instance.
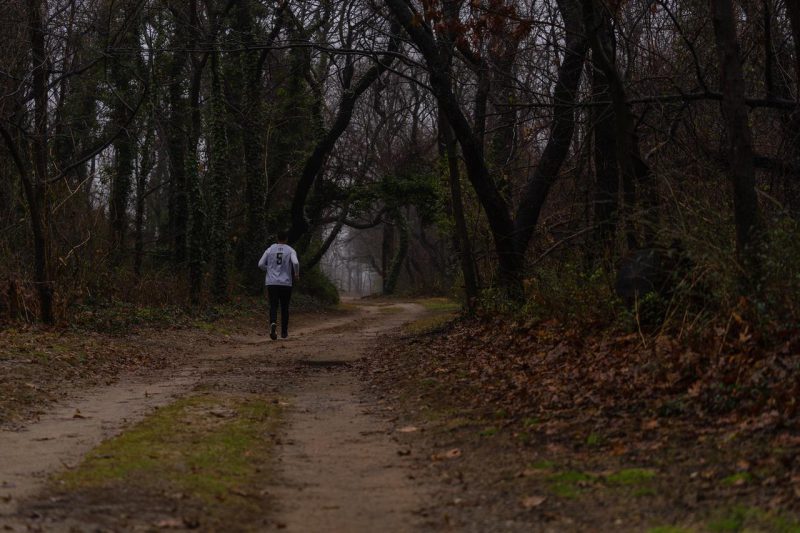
(527, 367)
(721, 421)
(39, 365)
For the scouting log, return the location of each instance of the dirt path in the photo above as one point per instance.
(339, 467)
(59, 439)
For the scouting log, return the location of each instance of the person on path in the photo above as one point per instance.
(282, 267)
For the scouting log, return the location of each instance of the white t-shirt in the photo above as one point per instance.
(280, 263)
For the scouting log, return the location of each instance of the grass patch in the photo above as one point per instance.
(489, 432)
(594, 440)
(742, 518)
(458, 423)
(668, 529)
(429, 383)
(530, 422)
(440, 304)
(441, 311)
(631, 476)
(212, 327)
(739, 478)
(568, 484)
(211, 448)
(543, 464)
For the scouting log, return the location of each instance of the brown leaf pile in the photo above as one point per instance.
(531, 368)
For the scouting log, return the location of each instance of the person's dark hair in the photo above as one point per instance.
(283, 235)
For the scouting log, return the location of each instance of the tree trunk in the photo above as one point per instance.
(465, 255)
(197, 221)
(121, 184)
(635, 171)
(448, 148)
(793, 12)
(390, 281)
(317, 256)
(145, 166)
(605, 167)
(739, 140)
(792, 183)
(219, 185)
(176, 146)
(35, 186)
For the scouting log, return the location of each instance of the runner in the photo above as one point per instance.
(282, 267)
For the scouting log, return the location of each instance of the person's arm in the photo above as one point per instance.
(262, 263)
(295, 265)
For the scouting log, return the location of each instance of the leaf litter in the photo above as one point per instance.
(666, 422)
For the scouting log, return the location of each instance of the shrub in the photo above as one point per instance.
(316, 285)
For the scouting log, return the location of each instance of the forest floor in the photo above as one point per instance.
(383, 415)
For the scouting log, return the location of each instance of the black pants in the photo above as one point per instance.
(279, 294)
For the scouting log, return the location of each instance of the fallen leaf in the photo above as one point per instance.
(170, 523)
(449, 454)
(532, 501)
(650, 424)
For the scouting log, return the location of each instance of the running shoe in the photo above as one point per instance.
(273, 331)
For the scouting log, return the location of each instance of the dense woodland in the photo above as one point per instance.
(517, 154)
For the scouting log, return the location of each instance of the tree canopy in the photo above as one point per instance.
(151, 149)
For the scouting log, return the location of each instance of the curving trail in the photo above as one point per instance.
(338, 467)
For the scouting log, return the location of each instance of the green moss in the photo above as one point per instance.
(458, 422)
(631, 476)
(530, 422)
(429, 383)
(440, 304)
(568, 484)
(742, 518)
(594, 440)
(208, 447)
(543, 464)
(212, 327)
(739, 478)
(731, 521)
(524, 437)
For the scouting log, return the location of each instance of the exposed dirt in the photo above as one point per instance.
(339, 468)
(336, 463)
